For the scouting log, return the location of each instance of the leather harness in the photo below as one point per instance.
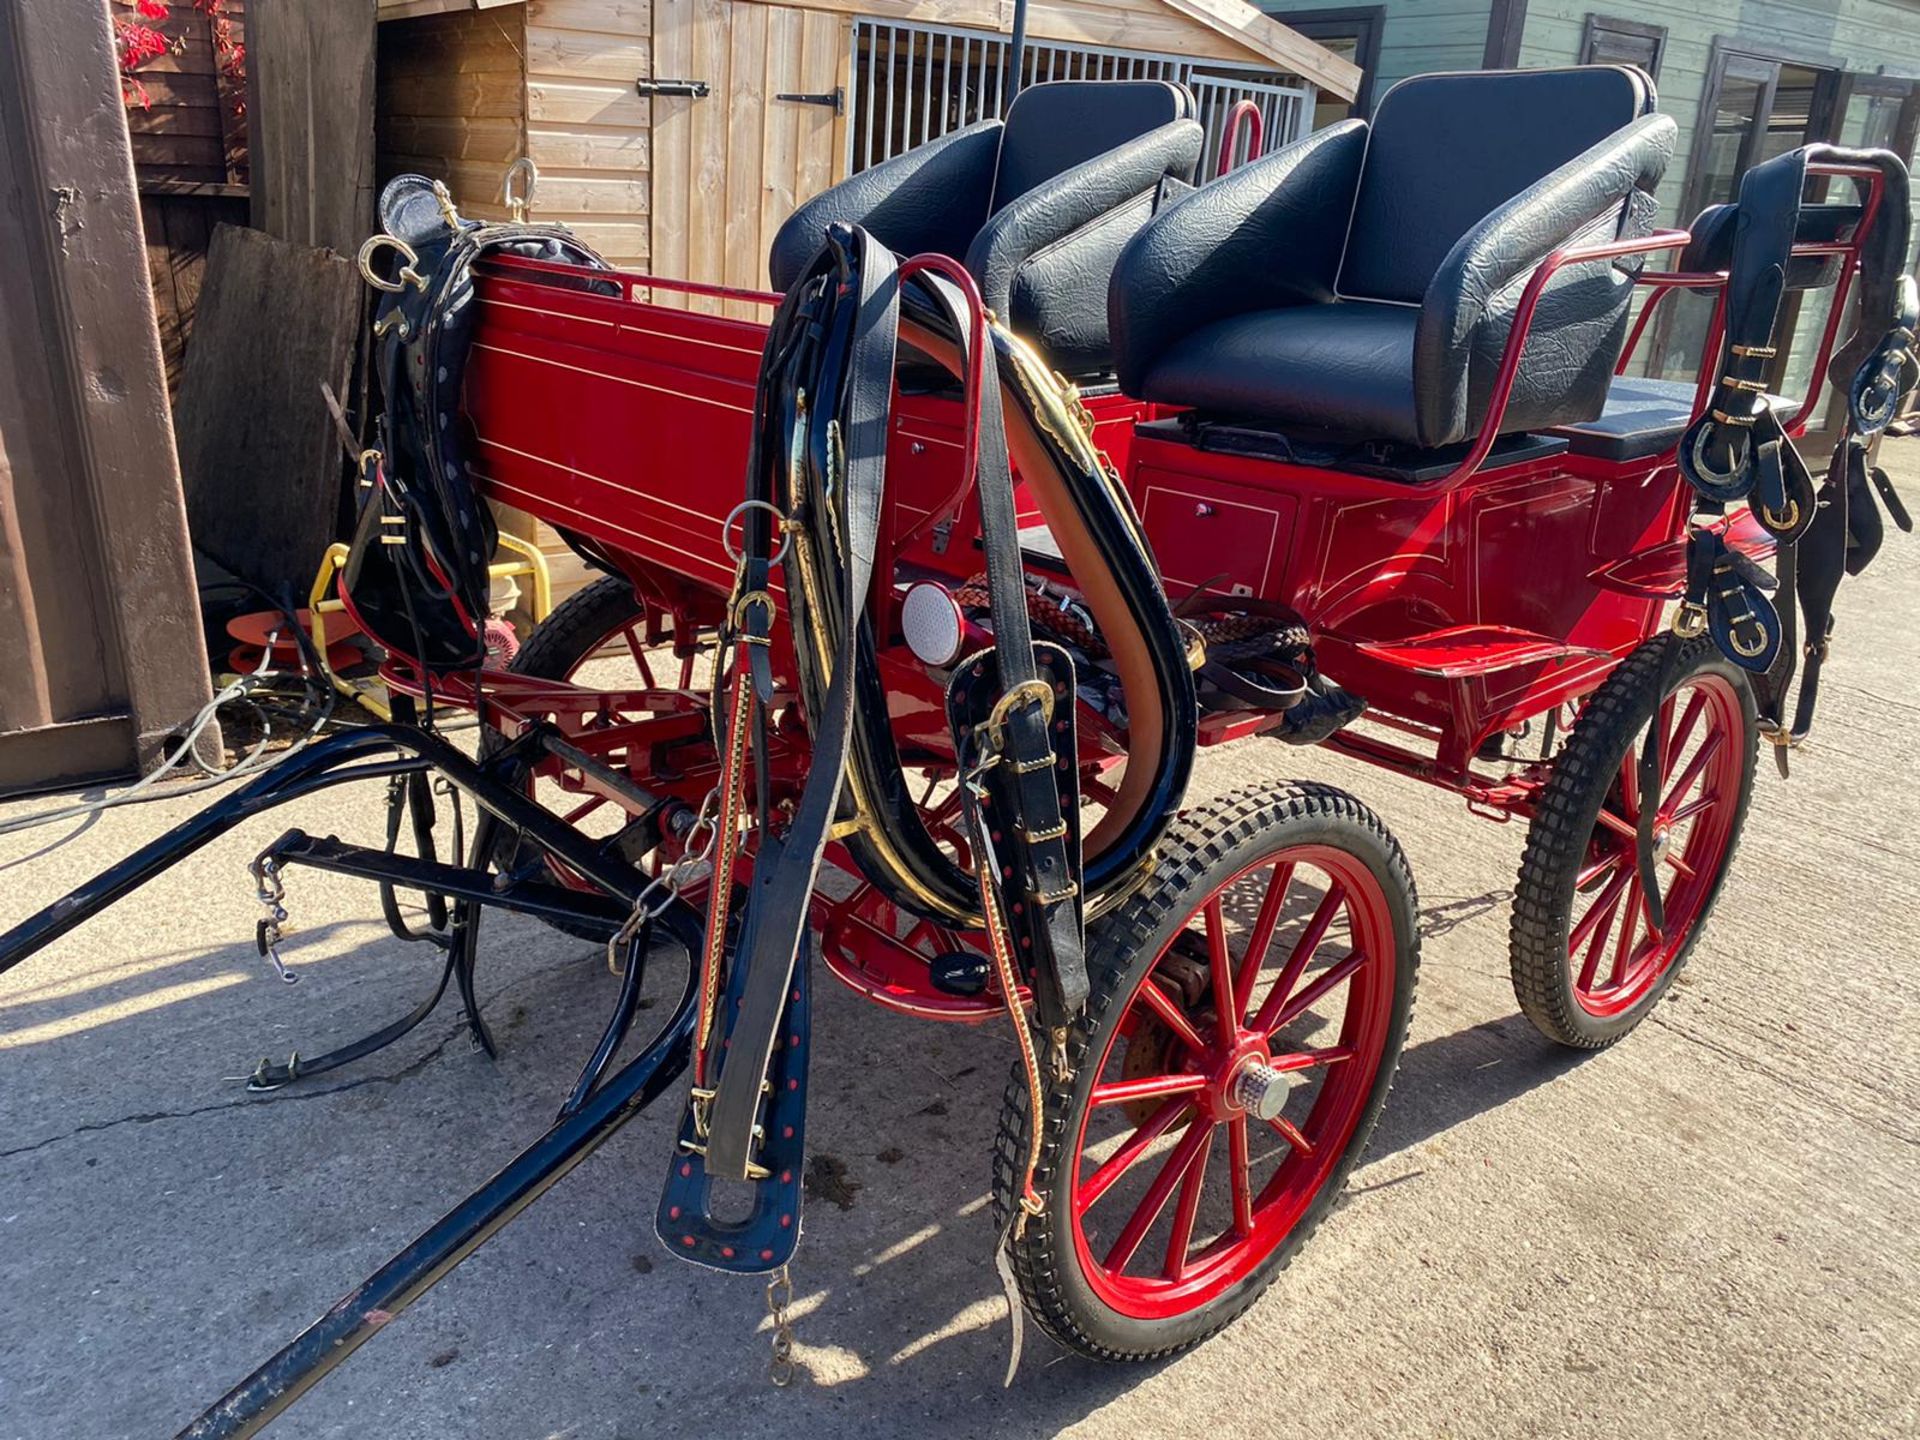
(818, 468)
(1739, 449)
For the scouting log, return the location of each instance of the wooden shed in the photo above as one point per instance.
(676, 135)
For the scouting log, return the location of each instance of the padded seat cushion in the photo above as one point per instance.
(1642, 419)
(1347, 366)
(1052, 128)
(1447, 150)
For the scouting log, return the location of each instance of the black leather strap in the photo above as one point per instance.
(1739, 449)
(1038, 846)
(785, 867)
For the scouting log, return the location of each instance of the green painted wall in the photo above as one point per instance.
(1420, 35)
(1857, 35)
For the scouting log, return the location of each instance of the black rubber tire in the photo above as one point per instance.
(1207, 847)
(575, 628)
(1557, 842)
(554, 650)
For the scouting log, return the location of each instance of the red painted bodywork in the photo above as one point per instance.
(1459, 607)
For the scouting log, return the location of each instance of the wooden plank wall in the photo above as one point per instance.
(452, 102)
(587, 127)
(727, 169)
(310, 84)
(190, 163)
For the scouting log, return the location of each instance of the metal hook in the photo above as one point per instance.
(408, 275)
(520, 202)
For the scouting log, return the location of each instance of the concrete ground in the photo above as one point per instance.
(1708, 1230)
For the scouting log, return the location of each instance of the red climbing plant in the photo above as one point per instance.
(141, 40)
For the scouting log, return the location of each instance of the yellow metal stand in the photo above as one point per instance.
(530, 565)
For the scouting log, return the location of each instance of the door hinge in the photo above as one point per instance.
(836, 98)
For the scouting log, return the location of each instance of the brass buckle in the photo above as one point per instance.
(738, 615)
(1691, 621)
(1037, 692)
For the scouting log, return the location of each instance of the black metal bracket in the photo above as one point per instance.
(836, 98)
(692, 89)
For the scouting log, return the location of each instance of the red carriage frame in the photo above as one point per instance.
(666, 389)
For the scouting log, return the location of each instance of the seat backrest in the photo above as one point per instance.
(1053, 127)
(1447, 150)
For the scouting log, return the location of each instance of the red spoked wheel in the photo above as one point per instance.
(1249, 1006)
(606, 637)
(1591, 956)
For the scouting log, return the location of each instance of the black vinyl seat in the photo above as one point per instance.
(1038, 206)
(1363, 281)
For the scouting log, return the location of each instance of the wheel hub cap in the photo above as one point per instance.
(1261, 1091)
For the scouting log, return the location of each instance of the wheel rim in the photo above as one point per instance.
(630, 654)
(1615, 955)
(1304, 940)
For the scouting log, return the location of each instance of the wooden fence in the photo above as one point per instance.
(190, 162)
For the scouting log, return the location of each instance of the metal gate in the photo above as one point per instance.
(914, 83)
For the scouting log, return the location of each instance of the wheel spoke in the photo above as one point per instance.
(580, 812)
(1598, 922)
(1123, 1159)
(1682, 733)
(639, 653)
(1261, 940)
(1625, 829)
(1708, 749)
(1630, 783)
(1146, 1087)
(1290, 1133)
(1148, 1211)
(1220, 970)
(1693, 807)
(1629, 929)
(1240, 1168)
(1310, 1059)
(1171, 1015)
(1334, 975)
(1181, 1240)
(1672, 857)
(1267, 1021)
(1598, 868)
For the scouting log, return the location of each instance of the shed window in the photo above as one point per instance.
(1610, 41)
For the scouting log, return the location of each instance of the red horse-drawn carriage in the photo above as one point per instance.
(1340, 449)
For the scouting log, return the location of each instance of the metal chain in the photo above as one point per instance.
(779, 1301)
(271, 891)
(665, 887)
